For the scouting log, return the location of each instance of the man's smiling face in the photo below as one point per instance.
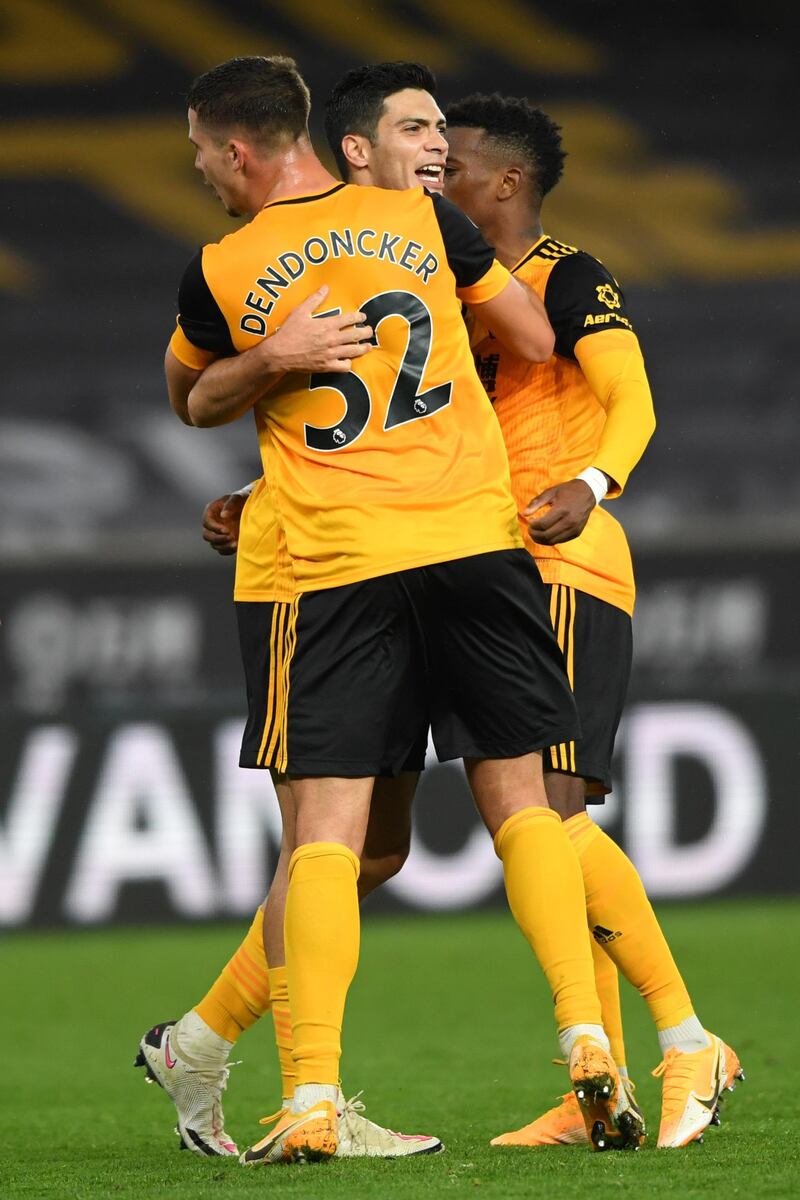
(410, 147)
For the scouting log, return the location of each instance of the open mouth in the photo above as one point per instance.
(431, 175)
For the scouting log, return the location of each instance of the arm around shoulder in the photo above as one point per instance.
(180, 381)
(513, 312)
(517, 318)
(229, 388)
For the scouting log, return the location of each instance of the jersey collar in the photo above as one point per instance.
(305, 198)
(529, 253)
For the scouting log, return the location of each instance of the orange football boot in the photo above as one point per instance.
(692, 1087)
(308, 1136)
(611, 1119)
(561, 1125)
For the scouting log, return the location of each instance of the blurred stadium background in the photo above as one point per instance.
(122, 704)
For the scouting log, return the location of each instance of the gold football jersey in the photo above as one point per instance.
(399, 462)
(551, 419)
(263, 566)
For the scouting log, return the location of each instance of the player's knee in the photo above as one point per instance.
(568, 808)
(375, 870)
(566, 794)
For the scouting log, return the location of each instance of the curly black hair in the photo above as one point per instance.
(515, 127)
(356, 103)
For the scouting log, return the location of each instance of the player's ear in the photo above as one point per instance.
(510, 183)
(355, 148)
(237, 154)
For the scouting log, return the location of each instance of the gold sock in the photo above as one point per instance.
(241, 993)
(322, 933)
(621, 915)
(543, 885)
(282, 1020)
(606, 980)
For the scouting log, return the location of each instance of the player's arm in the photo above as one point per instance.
(614, 368)
(200, 337)
(230, 387)
(587, 309)
(513, 312)
(209, 383)
(204, 390)
(305, 342)
(181, 378)
(517, 318)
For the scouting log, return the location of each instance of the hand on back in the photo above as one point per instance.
(309, 342)
(221, 522)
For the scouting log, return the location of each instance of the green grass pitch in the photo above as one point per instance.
(449, 1029)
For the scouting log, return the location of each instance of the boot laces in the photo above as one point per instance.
(678, 1073)
(276, 1116)
(354, 1105)
(214, 1077)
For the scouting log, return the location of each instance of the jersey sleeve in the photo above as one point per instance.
(613, 366)
(188, 354)
(199, 316)
(479, 276)
(582, 297)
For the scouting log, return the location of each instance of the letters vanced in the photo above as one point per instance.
(121, 797)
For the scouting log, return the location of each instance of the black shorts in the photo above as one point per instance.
(333, 712)
(357, 673)
(596, 640)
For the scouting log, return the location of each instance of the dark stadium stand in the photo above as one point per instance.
(680, 177)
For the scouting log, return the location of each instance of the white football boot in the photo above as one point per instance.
(361, 1138)
(195, 1088)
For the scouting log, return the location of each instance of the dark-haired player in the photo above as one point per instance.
(414, 596)
(384, 127)
(574, 428)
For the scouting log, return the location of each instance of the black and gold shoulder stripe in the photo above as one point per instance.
(549, 249)
(552, 249)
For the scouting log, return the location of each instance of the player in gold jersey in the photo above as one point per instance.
(574, 428)
(406, 443)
